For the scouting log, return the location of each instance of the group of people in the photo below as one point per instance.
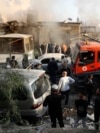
(54, 101)
(11, 63)
(55, 48)
(82, 106)
(61, 91)
(55, 70)
(50, 47)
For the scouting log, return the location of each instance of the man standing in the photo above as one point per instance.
(25, 62)
(52, 69)
(13, 62)
(64, 85)
(81, 105)
(54, 106)
(97, 109)
(89, 88)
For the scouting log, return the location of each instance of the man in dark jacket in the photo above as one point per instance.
(13, 62)
(53, 102)
(89, 88)
(25, 61)
(52, 69)
(81, 106)
(97, 109)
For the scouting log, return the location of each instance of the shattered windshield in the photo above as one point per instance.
(87, 57)
(40, 86)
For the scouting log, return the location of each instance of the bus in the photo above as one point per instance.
(17, 45)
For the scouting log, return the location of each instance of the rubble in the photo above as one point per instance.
(44, 125)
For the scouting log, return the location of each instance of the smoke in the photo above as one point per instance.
(51, 10)
(47, 10)
(89, 11)
(13, 9)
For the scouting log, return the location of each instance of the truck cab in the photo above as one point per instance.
(86, 58)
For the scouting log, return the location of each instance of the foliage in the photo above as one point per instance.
(9, 82)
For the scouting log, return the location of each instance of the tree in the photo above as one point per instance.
(10, 83)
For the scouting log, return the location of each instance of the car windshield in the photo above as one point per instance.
(87, 57)
(40, 86)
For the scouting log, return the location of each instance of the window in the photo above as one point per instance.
(45, 61)
(87, 57)
(17, 47)
(40, 86)
(13, 45)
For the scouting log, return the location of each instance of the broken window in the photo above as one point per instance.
(87, 57)
(11, 45)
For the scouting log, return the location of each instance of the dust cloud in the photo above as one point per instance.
(50, 10)
(89, 11)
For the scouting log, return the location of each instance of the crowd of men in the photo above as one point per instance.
(60, 90)
(54, 48)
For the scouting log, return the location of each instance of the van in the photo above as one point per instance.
(45, 59)
(36, 89)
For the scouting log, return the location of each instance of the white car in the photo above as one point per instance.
(36, 88)
(45, 59)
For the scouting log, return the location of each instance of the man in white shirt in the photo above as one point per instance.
(64, 85)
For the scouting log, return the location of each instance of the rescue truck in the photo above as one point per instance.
(86, 58)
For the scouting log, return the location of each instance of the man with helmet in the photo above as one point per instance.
(53, 102)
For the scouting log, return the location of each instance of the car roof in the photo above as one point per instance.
(30, 75)
(50, 55)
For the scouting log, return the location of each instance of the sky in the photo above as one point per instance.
(51, 10)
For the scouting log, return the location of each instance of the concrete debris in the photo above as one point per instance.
(91, 117)
(69, 115)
